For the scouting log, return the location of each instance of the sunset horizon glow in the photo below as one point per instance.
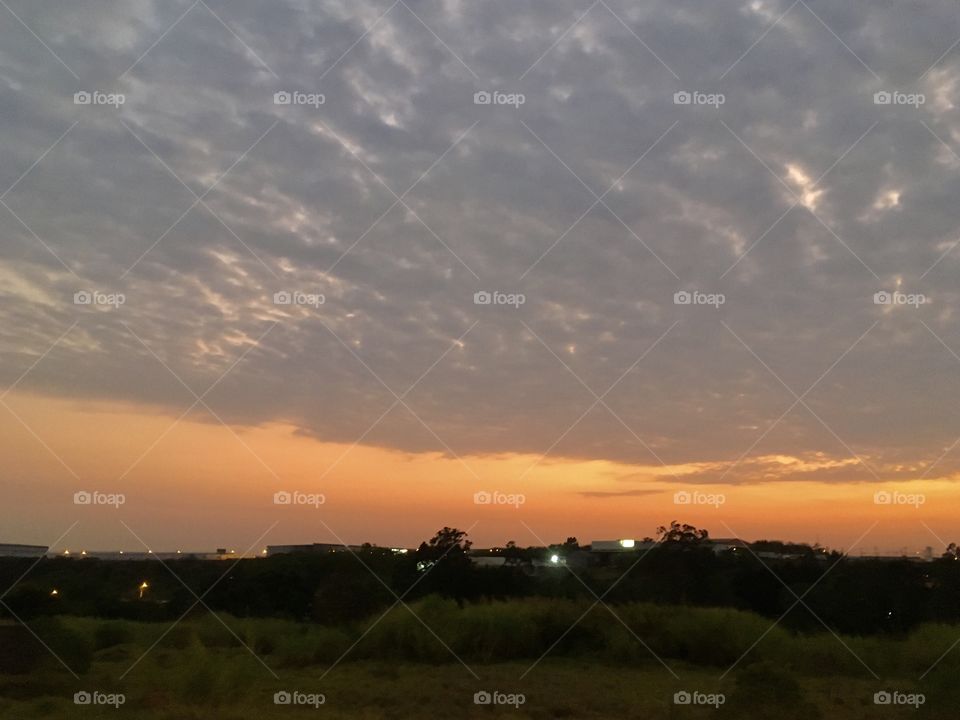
(392, 498)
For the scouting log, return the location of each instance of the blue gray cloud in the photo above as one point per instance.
(398, 198)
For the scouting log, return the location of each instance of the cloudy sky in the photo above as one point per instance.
(775, 164)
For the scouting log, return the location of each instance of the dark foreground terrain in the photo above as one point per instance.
(534, 658)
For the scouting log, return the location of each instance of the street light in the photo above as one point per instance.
(143, 588)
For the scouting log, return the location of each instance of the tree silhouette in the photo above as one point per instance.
(680, 534)
(448, 544)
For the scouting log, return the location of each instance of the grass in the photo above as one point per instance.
(398, 668)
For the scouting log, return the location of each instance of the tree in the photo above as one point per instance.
(512, 553)
(444, 560)
(682, 534)
(953, 552)
(448, 544)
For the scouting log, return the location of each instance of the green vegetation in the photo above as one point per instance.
(884, 598)
(395, 667)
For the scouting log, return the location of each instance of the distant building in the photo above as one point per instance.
(311, 548)
(489, 561)
(722, 545)
(890, 558)
(11, 550)
(126, 555)
(619, 546)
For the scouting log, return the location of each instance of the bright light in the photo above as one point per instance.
(66, 552)
(554, 559)
(54, 592)
(626, 543)
(143, 587)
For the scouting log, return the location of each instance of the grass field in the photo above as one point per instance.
(400, 669)
(233, 688)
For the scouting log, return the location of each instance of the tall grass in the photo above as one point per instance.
(437, 630)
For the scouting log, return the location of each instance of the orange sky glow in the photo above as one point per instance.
(197, 484)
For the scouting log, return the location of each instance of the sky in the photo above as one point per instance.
(607, 265)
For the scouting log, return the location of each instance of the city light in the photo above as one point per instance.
(143, 588)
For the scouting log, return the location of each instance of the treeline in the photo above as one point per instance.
(856, 597)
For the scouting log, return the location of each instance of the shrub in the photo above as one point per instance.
(20, 653)
(68, 646)
(768, 691)
(109, 634)
(216, 634)
(942, 693)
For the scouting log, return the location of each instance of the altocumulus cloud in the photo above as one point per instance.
(399, 197)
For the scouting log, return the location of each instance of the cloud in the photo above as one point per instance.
(398, 198)
(618, 493)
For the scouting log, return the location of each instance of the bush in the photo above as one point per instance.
(68, 646)
(768, 691)
(216, 634)
(942, 693)
(180, 636)
(348, 600)
(109, 634)
(20, 653)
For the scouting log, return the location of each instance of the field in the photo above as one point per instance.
(400, 669)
